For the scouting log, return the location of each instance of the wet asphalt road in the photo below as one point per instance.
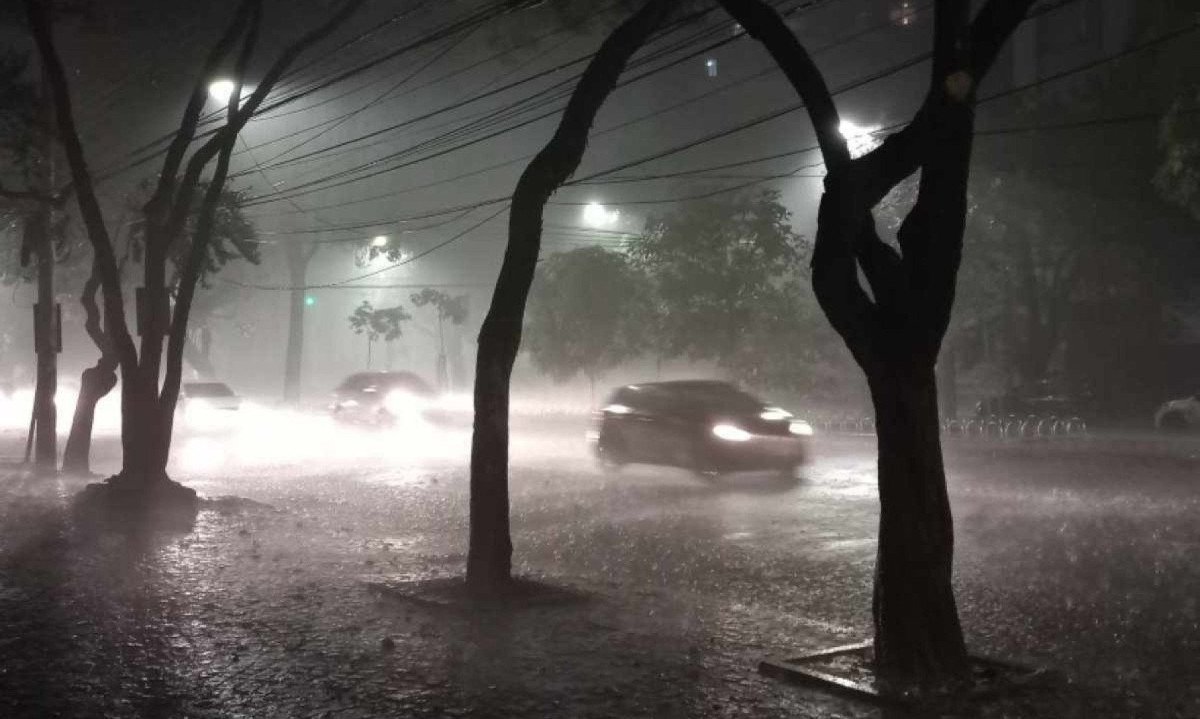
(1077, 557)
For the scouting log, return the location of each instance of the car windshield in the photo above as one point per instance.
(207, 389)
(717, 396)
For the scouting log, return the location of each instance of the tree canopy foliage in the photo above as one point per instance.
(722, 267)
(587, 313)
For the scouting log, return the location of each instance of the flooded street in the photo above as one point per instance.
(1071, 558)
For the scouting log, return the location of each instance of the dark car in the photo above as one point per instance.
(705, 426)
(382, 398)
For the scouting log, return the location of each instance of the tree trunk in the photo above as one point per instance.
(45, 410)
(947, 375)
(440, 368)
(895, 332)
(917, 630)
(95, 385)
(489, 557)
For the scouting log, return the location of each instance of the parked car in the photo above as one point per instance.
(1179, 414)
(383, 399)
(705, 426)
(208, 406)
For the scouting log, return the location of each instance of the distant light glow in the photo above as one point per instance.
(903, 13)
(597, 215)
(860, 139)
(309, 300)
(379, 241)
(221, 90)
(711, 66)
(617, 409)
(774, 414)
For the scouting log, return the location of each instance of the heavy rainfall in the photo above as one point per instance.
(623, 358)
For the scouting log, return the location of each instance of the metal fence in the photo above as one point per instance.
(991, 427)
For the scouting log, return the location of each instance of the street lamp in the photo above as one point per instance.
(221, 90)
(858, 138)
(596, 215)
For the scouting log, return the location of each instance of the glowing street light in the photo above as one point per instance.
(221, 90)
(859, 139)
(597, 215)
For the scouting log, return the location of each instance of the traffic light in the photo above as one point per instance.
(310, 300)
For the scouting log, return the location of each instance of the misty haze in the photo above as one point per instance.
(631, 358)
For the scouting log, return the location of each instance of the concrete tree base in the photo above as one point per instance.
(162, 503)
(850, 670)
(452, 594)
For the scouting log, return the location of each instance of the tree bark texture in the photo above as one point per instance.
(39, 239)
(97, 381)
(895, 332)
(489, 557)
(45, 409)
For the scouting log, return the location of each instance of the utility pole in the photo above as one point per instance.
(298, 256)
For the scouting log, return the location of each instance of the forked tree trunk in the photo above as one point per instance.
(489, 557)
(895, 333)
(916, 621)
(96, 383)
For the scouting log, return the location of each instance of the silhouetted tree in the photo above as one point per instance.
(724, 275)
(587, 313)
(149, 390)
(232, 237)
(896, 331)
(489, 556)
(449, 308)
(385, 323)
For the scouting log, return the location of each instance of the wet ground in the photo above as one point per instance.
(1076, 557)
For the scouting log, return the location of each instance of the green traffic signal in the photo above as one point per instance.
(309, 300)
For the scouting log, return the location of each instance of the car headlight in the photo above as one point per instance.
(617, 409)
(730, 433)
(801, 428)
(774, 414)
(400, 403)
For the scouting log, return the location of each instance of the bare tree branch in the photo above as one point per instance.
(195, 166)
(89, 206)
(191, 114)
(193, 264)
(900, 154)
(764, 24)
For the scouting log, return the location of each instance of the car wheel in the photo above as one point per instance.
(701, 465)
(1173, 422)
(610, 455)
(789, 473)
